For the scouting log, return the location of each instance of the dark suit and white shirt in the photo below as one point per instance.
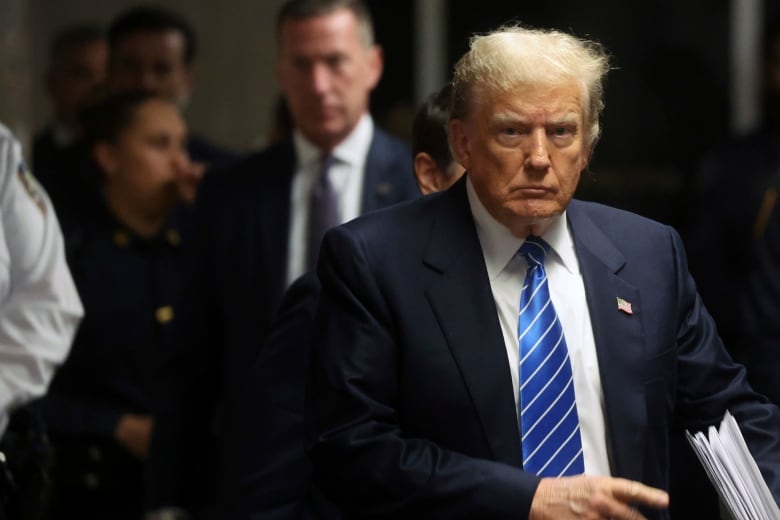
(252, 233)
(506, 271)
(412, 398)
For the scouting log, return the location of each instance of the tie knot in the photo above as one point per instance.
(326, 161)
(534, 249)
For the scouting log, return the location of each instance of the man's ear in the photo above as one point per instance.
(106, 158)
(585, 158)
(459, 142)
(375, 65)
(427, 173)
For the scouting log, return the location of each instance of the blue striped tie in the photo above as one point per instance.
(548, 415)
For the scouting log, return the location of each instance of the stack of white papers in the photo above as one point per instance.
(734, 472)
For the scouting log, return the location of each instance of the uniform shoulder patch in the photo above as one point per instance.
(31, 186)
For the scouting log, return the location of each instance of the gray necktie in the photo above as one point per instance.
(323, 210)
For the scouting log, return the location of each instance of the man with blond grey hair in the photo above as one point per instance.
(501, 350)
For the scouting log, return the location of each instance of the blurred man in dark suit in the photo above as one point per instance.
(260, 222)
(77, 67)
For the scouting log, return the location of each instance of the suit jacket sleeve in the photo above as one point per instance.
(360, 452)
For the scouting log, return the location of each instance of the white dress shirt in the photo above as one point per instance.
(506, 271)
(347, 175)
(39, 305)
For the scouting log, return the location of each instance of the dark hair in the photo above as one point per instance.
(147, 18)
(109, 113)
(429, 131)
(303, 9)
(75, 36)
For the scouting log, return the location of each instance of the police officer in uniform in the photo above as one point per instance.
(129, 266)
(39, 305)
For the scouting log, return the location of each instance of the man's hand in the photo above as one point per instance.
(593, 497)
(133, 433)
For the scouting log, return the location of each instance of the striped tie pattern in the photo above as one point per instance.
(549, 423)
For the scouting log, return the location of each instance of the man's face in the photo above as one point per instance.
(327, 75)
(524, 152)
(75, 73)
(152, 60)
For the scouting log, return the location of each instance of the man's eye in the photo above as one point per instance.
(335, 62)
(159, 141)
(301, 64)
(562, 131)
(510, 131)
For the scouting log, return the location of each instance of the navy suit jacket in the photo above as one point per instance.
(410, 406)
(243, 219)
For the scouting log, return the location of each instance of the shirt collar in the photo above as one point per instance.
(499, 245)
(352, 150)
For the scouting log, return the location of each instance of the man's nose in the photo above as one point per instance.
(538, 150)
(181, 160)
(320, 78)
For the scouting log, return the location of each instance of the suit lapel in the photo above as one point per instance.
(619, 342)
(463, 303)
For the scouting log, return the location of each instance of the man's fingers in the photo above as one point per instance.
(629, 491)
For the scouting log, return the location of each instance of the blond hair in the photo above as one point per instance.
(515, 56)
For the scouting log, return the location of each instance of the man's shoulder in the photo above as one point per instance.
(406, 219)
(633, 234)
(260, 170)
(389, 149)
(386, 140)
(611, 216)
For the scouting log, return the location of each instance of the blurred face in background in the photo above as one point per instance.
(154, 61)
(326, 73)
(75, 72)
(148, 160)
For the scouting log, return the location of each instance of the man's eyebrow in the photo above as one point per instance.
(511, 117)
(568, 117)
(508, 117)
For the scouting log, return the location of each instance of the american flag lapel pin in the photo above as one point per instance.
(624, 306)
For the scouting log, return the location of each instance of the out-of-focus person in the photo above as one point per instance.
(759, 312)
(129, 266)
(77, 67)
(39, 313)
(728, 214)
(261, 223)
(434, 166)
(154, 48)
